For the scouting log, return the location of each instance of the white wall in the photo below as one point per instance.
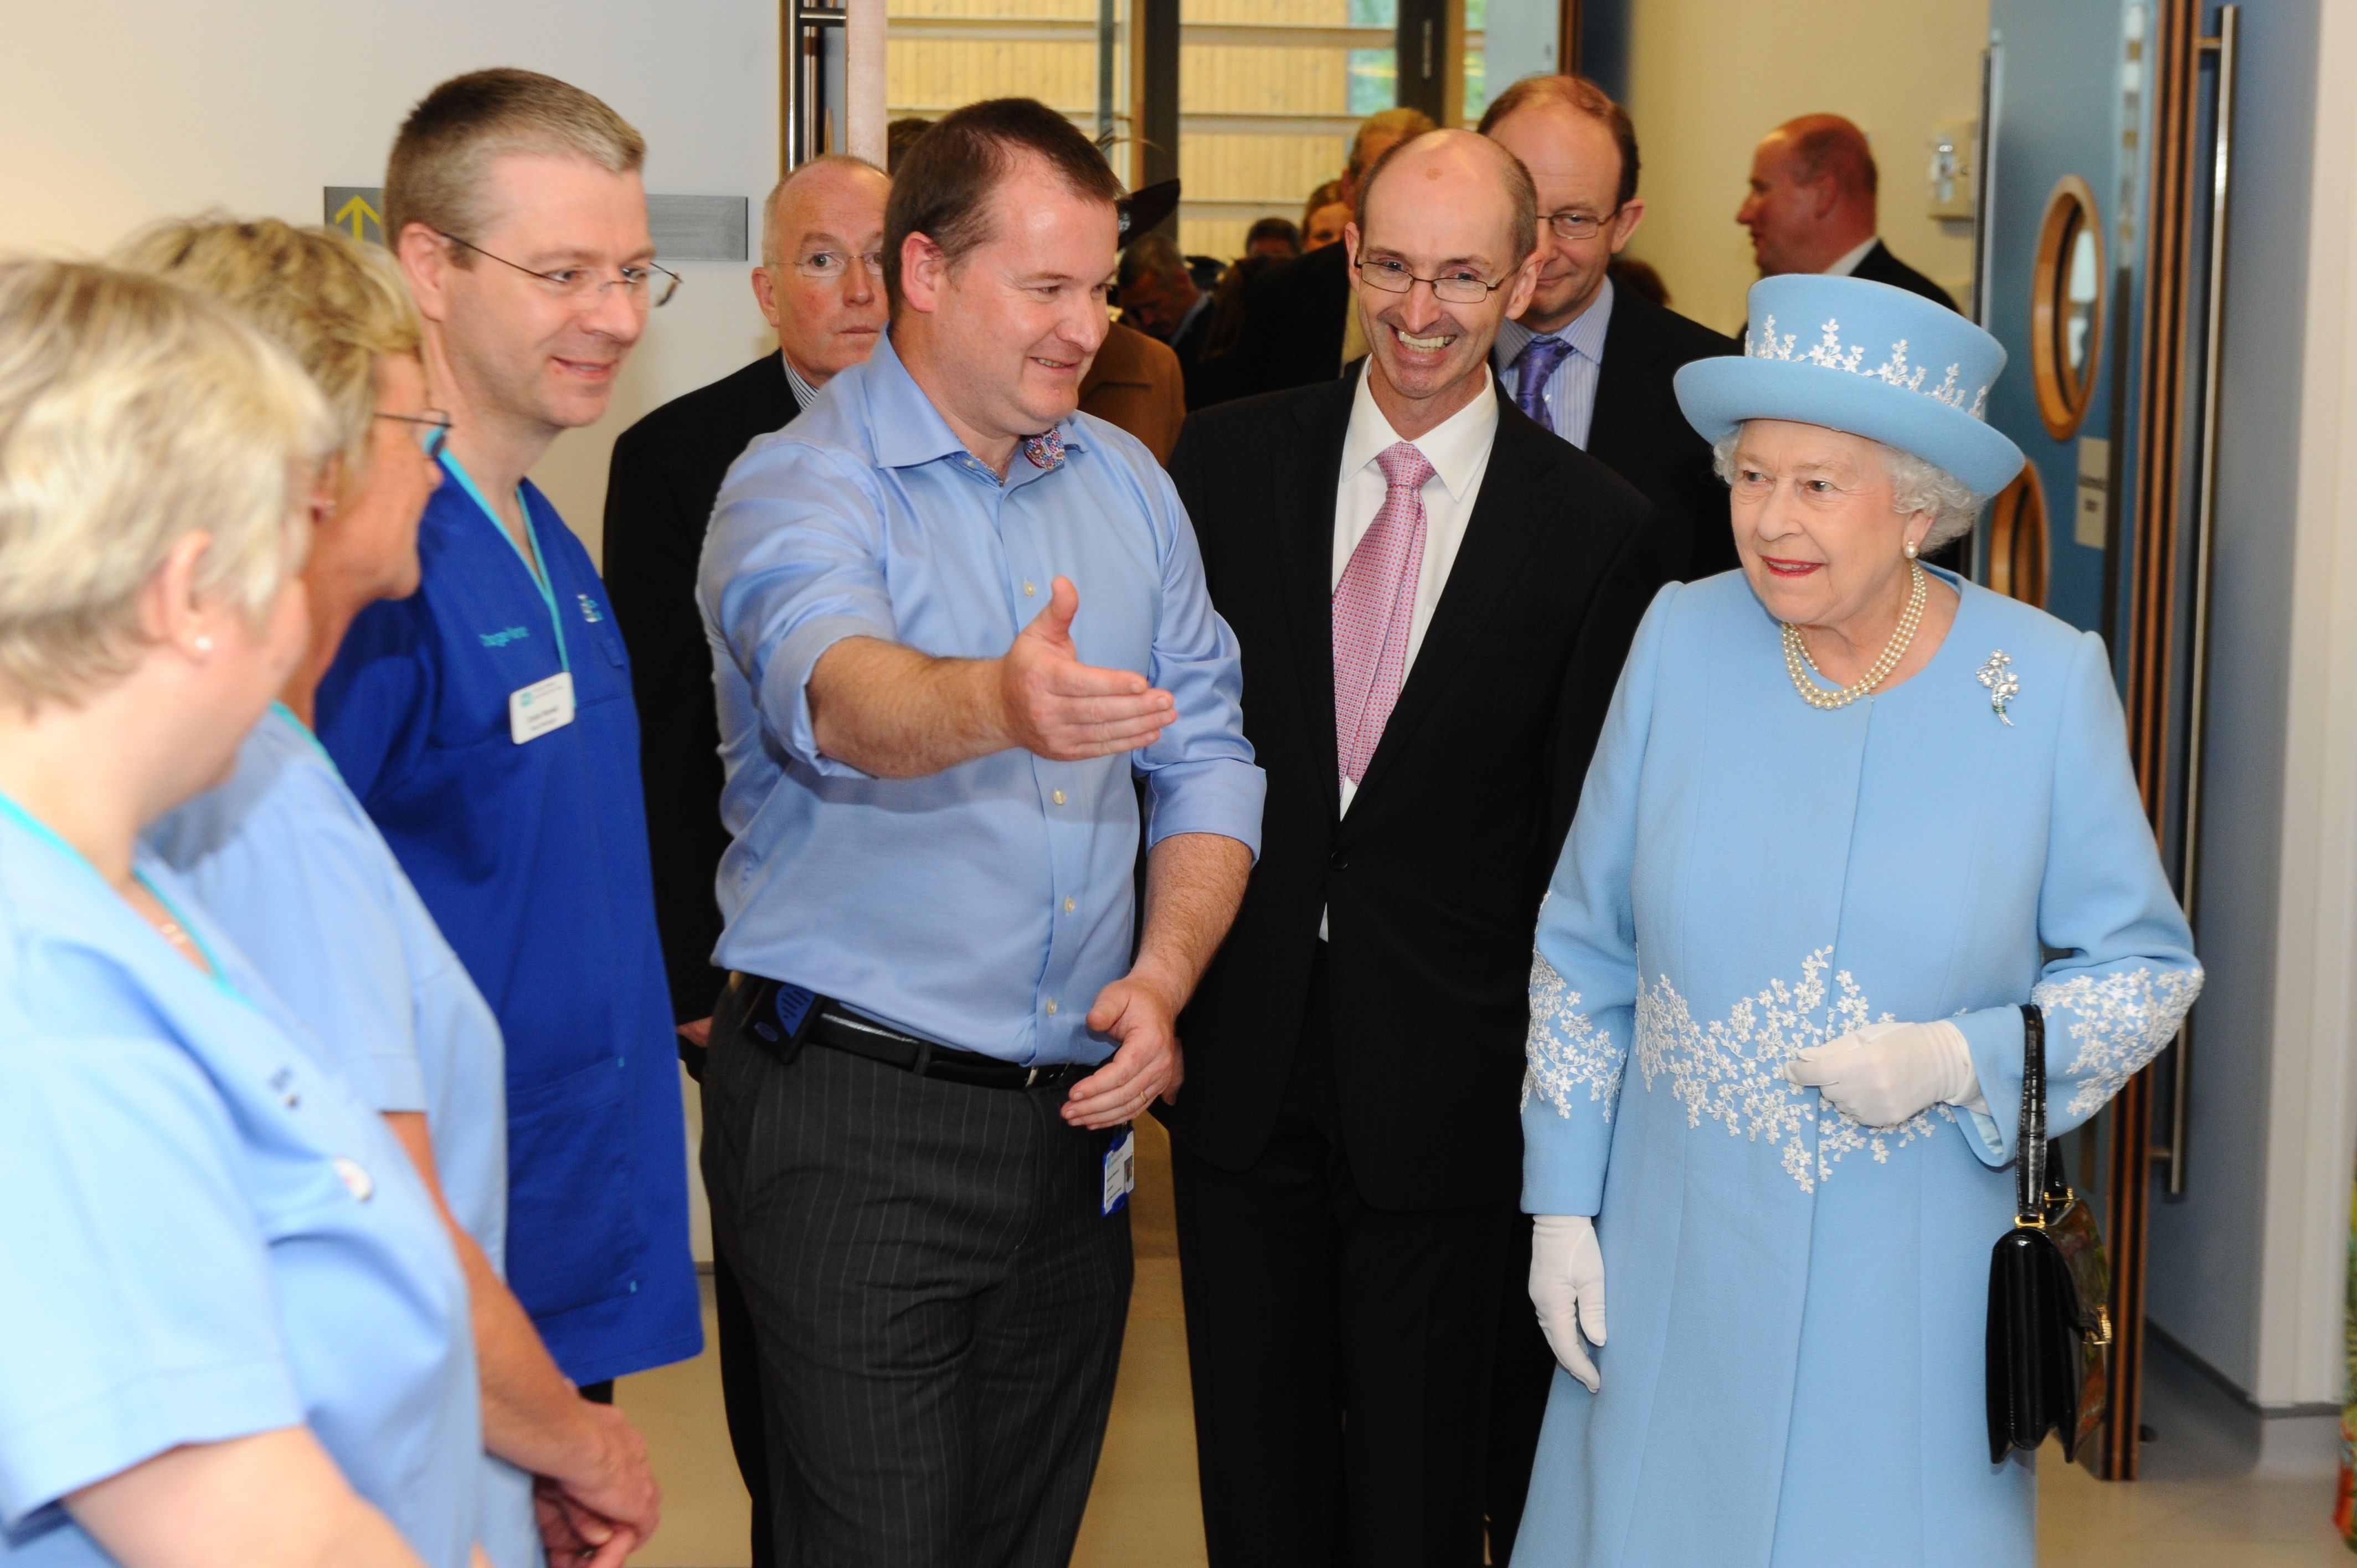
(118, 111)
(1708, 77)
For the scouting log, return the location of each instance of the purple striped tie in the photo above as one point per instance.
(1534, 368)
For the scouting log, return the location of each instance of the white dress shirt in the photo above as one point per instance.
(1847, 264)
(1458, 450)
(1570, 394)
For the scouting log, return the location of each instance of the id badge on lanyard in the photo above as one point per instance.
(546, 704)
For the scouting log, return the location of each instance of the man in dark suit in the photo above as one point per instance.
(821, 284)
(1298, 325)
(1812, 207)
(1433, 597)
(1590, 360)
(1160, 297)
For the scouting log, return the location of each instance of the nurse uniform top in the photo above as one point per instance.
(291, 868)
(208, 1232)
(1796, 1368)
(532, 856)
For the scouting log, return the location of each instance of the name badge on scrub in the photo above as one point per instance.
(544, 705)
(1121, 1170)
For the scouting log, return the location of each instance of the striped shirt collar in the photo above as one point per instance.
(1584, 336)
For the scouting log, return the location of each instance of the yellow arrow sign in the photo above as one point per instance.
(361, 215)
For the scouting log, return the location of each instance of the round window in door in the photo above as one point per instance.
(2017, 539)
(2066, 307)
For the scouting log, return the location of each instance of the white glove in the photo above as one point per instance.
(1885, 1073)
(1568, 1288)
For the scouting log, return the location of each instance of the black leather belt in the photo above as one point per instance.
(837, 1028)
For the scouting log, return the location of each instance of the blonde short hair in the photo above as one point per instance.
(435, 174)
(133, 412)
(338, 306)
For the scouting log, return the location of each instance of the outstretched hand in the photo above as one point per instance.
(1067, 711)
(1147, 1065)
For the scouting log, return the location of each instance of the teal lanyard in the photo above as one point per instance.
(42, 830)
(531, 563)
(299, 727)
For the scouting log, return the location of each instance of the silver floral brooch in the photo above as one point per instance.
(2003, 685)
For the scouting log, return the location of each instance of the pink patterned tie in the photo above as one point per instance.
(1373, 608)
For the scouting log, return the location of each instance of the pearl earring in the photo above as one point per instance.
(1910, 549)
(204, 644)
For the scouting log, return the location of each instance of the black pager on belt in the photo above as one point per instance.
(782, 1020)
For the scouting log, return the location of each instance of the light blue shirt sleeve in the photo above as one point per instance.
(797, 567)
(1200, 777)
(280, 860)
(138, 1305)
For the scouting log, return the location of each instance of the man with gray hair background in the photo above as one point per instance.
(821, 284)
(1160, 298)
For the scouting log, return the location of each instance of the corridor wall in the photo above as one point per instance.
(119, 111)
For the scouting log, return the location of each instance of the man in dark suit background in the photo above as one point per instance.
(1160, 297)
(1300, 326)
(1590, 361)
(1812, 207)
(1433, 597)
(820, 285)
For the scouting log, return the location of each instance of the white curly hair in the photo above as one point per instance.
(1915, 486)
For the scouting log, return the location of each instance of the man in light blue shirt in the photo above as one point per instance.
(954, 622)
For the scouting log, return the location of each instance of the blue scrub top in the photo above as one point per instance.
(286, 861)
(532, 859)
(208, 1233)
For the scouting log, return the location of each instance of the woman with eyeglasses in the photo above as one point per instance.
(286, 859)
(232, 1331)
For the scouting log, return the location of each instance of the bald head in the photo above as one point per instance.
(829, 178)
(1418, 169)
(1443, 253)
(819, 281)
(1812, 197)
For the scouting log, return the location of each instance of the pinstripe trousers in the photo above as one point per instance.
(938, 1298)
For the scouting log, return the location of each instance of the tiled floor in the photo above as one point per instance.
(2200, 1505)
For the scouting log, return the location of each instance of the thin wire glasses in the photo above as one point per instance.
(434, 428)
(647, 283)
(1459, 285)
(829, 266)
(1571, 224)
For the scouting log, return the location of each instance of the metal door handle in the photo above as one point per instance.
(2221, 177)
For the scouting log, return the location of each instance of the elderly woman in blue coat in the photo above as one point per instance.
(1849, 813)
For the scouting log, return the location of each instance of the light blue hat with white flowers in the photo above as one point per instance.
(1864, 357)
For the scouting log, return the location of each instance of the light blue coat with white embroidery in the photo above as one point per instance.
(1794, 1371)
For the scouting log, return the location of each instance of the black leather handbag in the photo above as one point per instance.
(2049, 1319)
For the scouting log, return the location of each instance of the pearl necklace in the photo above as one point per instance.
(1800, 666)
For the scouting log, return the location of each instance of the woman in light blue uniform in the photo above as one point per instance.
(288, 862)
(232, 1329)
(1842, 811)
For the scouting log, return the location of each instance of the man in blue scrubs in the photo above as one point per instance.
(486, 722)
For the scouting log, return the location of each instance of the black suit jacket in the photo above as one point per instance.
(666, 472)
(1881, 266)
(1638, 432)
(1294, 316)
(1189, 346)
(1431, 884)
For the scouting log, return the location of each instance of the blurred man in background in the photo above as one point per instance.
(1812, 207)
(1272, 237)
(1588, 359)
(820, 285)
(1160, 297)
(1298, 323)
